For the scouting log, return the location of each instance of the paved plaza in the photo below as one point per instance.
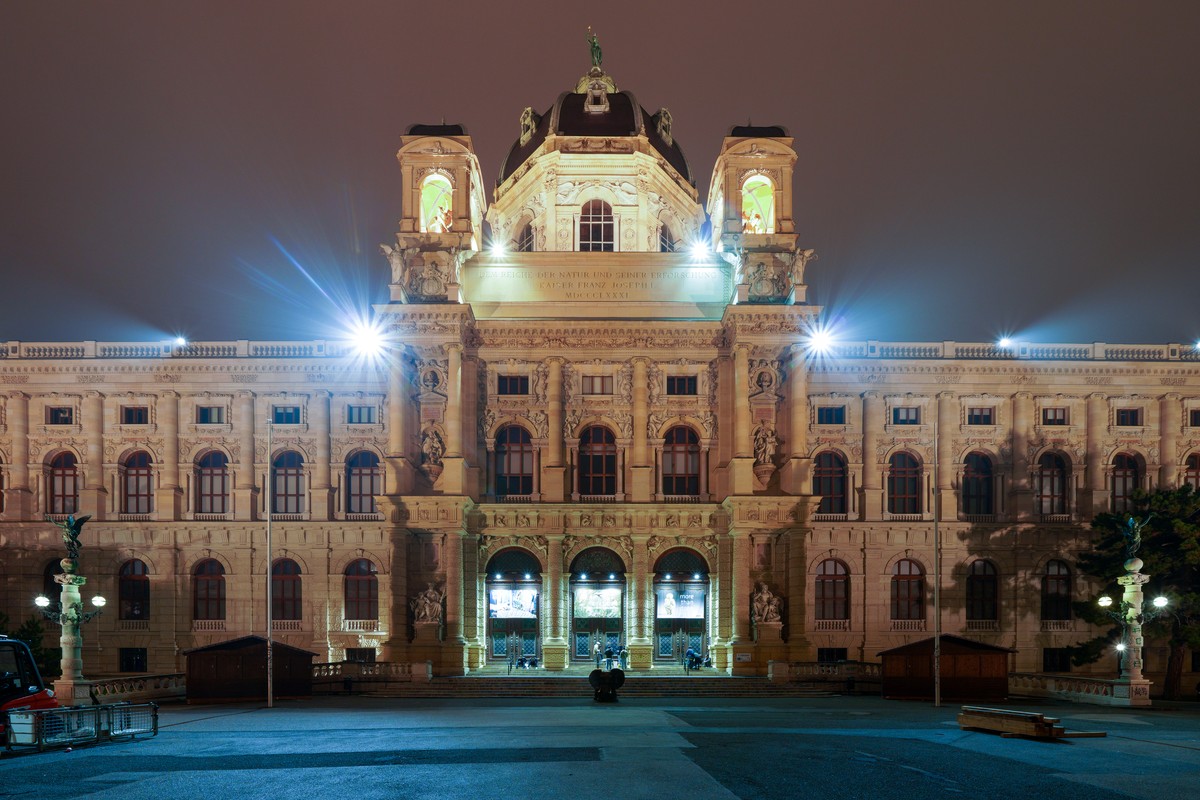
(708, 749)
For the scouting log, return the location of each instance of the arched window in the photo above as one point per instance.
(596, 227)
(681, 462)
(1191, 471)
(666, 240)
(525, 239)
(978, 483)
(63, 480)
(208, 590)
(364, 480)
(904, 484)
(437, 204)
(832, 590)
(1056, 591)
(829, 483)
(514, 462)
(982, 591)
(212, 483)
(597, 462)
(1126, 476)
(286, 600)
(287, 483)
(133, 590)
(758, 205)
(1051, 484)
(908, 590)
(135, 483)
(361, 590)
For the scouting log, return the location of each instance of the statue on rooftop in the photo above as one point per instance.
(594, 44)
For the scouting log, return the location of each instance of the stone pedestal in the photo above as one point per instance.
(769, 645)
(641, 656)
(554, 656)
(1130, 692)
(73, 692)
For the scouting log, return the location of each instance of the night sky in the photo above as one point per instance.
(226, 170)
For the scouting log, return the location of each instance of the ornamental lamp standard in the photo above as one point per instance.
(70, 615)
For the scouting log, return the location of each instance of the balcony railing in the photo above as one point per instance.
(207, 625)
(831, 625)
(1058, 624)
(829, 517)
(376, 516)
(125, 625)
(983, 626)
(908, 625)
(598, 498)
(360, 625)
(287, 624)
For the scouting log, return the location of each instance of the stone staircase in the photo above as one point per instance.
(478, 685)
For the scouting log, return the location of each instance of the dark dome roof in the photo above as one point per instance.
(624, 118)
(758, 131)
(436, 130)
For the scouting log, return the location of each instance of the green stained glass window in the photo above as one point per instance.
(758, 205)
(437, 207)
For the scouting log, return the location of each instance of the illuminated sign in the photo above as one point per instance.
(512, 603)
(597, 603)
(680, 603)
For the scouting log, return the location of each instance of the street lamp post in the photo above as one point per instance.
(71, 687)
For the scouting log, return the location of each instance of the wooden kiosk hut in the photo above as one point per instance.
(237, 670)
(970, 670)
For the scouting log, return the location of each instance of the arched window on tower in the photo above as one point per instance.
(1056, 591)
(514, 462)
(364, 480)
(212, 483)
(135, 483)
(904, 484)
(286, 598)
(597, 230)
(982, 592)
(978, 484)
(829, 483)
(1191, 471)
(1126, 476)
(666, 240)
(758, 205)
(832, 591)
(597, 462)
(437, 204)
(908, 590)
(63, 481)
(360, 592)
(133, 590)
(1051, 485)
(287, 483)
(208, 590)
(525, 239)
(681, 462)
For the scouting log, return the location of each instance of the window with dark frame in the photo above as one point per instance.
(681, 384)
(908, 591)
(832, 593)
(512, 384)
(978, 484)
(1194, 418)
(287, 601)
(1050, 485)
(1126, 476)
(131, 659)
(596, 227)
(831, 415)
(63, 497)
(1129, 417)
(210, 415)
(135, 415)
(361, 590)
(524, 245)
(212, 483)
(1056, 591)
(832, 655)
(514, 462)
(136, 492)
(681, 462)
(360, 415)
(364, 481)
(133, 591)
(906, 415)
(666, 240)
(285, 415)
(829, 483)
(1191, 471)
(904, 484)
(287, 483)
(982, 591)
(60, 415)
(1054, 416)
(597, 462)
(208, 590)
(980, 416)
(597, 384)
(360, 655)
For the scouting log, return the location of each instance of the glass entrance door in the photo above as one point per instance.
(673, 638)
(513, 619)
(597, 622)
(680, 618)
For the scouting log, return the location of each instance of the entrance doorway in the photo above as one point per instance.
(514, 608)
(680, 605)
(597, 604)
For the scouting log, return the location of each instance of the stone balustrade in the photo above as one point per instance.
(139, 688)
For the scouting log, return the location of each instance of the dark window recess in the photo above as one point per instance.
(1194, 418)
(133, 659)
(360, 415)
(828, 655)
(286, 415)
(681, 384)
(1056, 659)
(906, 415)
(831, 415)
(512, 384)
(597, 384)
(980, 416)
(361, 655)
(1129, 417)
(135, 415)
(210, 415)
(60, 415)
(1054, 416)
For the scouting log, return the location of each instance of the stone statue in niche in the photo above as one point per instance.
(765, 605)
(427, 605)
(432, 447)
(765, 443)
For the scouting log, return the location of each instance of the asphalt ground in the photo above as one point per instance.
(690, 749)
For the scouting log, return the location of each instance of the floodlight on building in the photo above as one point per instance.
(498, 248)
(41, 601)
(98, 601)
(1004, 342)
(699, 249)
(528, 576)
(1160, 602)
(367, 339)
(1120, 647)
(181, 341)
(498, 576)
(696, 577)
(583, 576)
(819, 341)
(1105, 601)
(612, 577)
(667, 576)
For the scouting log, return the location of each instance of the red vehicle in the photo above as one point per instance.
(21, 685)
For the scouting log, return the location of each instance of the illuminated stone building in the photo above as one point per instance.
(615, 426)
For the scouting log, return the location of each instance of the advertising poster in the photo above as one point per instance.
(680, 603)
(597, 603)
(513, 603)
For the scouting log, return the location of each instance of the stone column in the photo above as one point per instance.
(1021, 503)
(641, 648)
(795, 474)
(741, 639)
(554, 648)
(554, 471)
(474, 626)
(742, 465)
(1095, 499)
(245, 491)
(454, 649)
(400, 470)
(642, 470)
(168, 498)
(947, 425)
(871, 505)
(93, 498)
(453, 479)
(1132, 688)
(18, 494)
(1170, 421)
(322, 491)
(71, 688)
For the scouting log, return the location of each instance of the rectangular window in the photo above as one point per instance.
(827, 655)
(906, 415)
(286, 415)
(1054, 416)
(831, 415)
(1194, 418)
(681, 384)
(980, 416)
(597, 384)
(210, 415)
(135, 415)
(512, 384)
(132, 659)
(1129, 417)
(60, 415)
(1056, 659)
(360, 415)
(361, 655)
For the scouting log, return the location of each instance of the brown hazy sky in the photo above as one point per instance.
(966, 168)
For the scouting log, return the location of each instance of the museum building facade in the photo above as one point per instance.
(606, 422)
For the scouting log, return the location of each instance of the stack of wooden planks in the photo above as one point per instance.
(1017, 723)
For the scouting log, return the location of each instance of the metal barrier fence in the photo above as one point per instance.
(66, 727)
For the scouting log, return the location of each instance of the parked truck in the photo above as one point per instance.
(21, 685)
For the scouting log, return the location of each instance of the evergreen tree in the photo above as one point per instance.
(1170, 550)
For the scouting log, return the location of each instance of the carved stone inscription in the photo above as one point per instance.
(698, 284)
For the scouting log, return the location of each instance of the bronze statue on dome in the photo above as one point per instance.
(594, 44)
